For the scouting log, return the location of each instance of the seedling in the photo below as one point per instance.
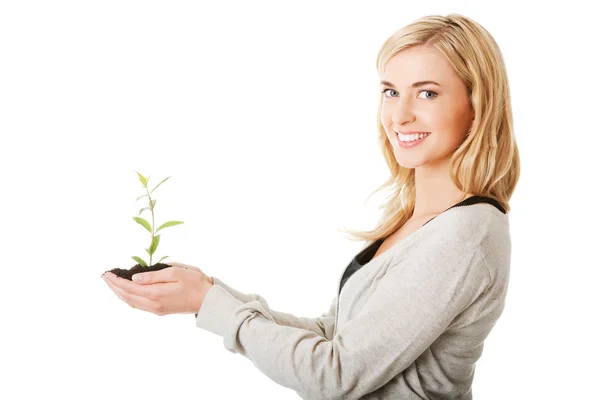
(154, 238)
(142, 266)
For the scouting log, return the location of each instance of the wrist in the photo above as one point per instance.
(203, 289)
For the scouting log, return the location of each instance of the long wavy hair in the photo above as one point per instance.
(487, 162)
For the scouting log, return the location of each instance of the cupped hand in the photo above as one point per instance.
(172, 290)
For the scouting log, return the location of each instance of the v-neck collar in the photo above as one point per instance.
(470, 201)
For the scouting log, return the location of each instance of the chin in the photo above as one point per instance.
(410, 161)
(409, 164)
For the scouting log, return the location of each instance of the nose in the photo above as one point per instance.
(403, 112)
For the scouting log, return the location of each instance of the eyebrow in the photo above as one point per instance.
(414, 85)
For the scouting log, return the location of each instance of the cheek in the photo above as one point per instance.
(385, 118)
(386, 121)
(456, 131)
(451, 124)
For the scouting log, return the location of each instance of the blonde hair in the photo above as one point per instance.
(487, 162)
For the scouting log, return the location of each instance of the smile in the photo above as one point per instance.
(408, 141)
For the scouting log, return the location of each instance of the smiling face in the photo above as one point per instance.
(410, 105)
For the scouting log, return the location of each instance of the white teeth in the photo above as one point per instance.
(413, 137)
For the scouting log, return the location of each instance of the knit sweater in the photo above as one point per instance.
(408, 324)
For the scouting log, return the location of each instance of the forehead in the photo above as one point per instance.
(419, 64)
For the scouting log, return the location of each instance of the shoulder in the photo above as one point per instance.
(475, 222)
(483, 229)
(477, 234)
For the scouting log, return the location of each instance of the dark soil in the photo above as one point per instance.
(128, 273)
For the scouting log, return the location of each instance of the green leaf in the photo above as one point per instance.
(143, 222)
(148, 251)
(142, 179)
(159, 184)
(145, 208)
(140, 261)
(154, 244)
(144, 195)
(153, 203)
(162, 258)
(167, 224)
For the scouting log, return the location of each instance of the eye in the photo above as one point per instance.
(385, 90)
(428, 91)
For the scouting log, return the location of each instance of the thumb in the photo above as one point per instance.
(139, 278)
(146, 278)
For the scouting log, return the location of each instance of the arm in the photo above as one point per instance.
(322, 326)
(412, 305)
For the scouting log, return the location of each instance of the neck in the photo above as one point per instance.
(435, 191)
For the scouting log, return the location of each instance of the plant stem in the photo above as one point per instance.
(152, 238)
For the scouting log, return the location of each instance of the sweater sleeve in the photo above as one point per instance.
(322, 326)
(410, 308)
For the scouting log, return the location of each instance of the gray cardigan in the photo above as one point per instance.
(408, 324)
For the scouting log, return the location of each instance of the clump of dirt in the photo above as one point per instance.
(128, 273)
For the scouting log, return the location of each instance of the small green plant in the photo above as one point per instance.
(155, 239)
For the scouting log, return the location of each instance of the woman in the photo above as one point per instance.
(415, 305)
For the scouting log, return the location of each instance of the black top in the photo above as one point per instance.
(367, 254)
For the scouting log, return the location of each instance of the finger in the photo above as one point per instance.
(161, 276)
(115, 290)
(128, 286)
(182, 265)
(135, 301)
(175, 264)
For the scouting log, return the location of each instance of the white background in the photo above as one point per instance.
(264, 115)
